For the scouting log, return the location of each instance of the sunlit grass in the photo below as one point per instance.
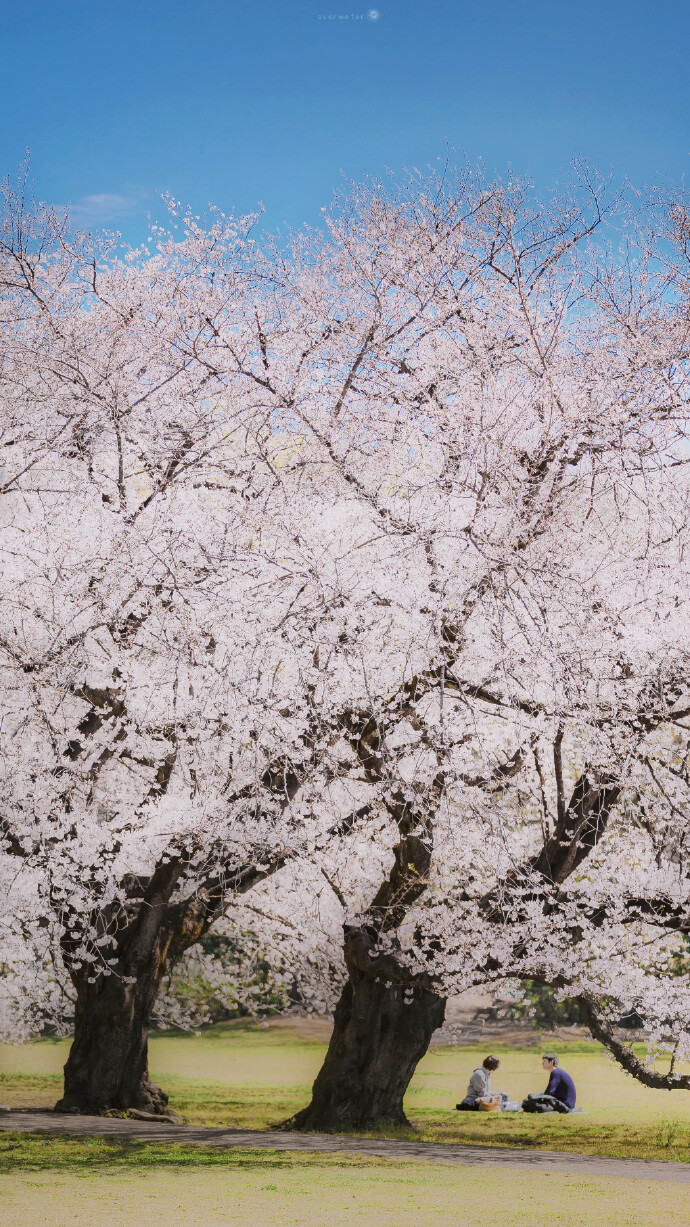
(123, 1184)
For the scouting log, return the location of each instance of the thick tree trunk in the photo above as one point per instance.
(107, 1067)
(381, 1031)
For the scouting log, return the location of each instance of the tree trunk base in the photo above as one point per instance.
(88, 1100)
(380, 1034)
(107, 1067)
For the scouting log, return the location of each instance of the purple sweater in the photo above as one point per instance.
(562, 1087)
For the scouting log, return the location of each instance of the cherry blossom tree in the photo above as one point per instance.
(366, 553)
(525, 410)
(157, 606)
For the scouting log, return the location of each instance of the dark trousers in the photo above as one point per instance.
(543, 1103)
(466, 1107)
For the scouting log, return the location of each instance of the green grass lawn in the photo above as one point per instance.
(128, 1184)
(240, 1074)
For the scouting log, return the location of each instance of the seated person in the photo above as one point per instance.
(559, 1095)
(479, 1085)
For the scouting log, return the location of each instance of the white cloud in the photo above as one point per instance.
(102, 207)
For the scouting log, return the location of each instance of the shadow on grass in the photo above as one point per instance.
(33, 1152)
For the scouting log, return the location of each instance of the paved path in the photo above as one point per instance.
(435, 1152)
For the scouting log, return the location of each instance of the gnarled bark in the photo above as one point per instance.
(107, 1067)
(381, 1031)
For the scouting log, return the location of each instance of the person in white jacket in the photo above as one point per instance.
(479, 1084)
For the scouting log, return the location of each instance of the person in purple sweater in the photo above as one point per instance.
(559, 1095)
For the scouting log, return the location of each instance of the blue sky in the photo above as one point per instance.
(273, 101)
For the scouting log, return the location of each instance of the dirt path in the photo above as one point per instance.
(435, 1152)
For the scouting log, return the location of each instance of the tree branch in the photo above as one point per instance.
(603, 1032)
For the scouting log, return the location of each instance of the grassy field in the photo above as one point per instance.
(246, 1075)
(125, 1186)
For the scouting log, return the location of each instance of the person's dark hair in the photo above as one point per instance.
(550, 1056)
(491, 1063)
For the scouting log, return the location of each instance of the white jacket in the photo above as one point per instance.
(479, 1084)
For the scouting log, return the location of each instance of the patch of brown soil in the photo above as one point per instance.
(457, 1031)
(305, 1027)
